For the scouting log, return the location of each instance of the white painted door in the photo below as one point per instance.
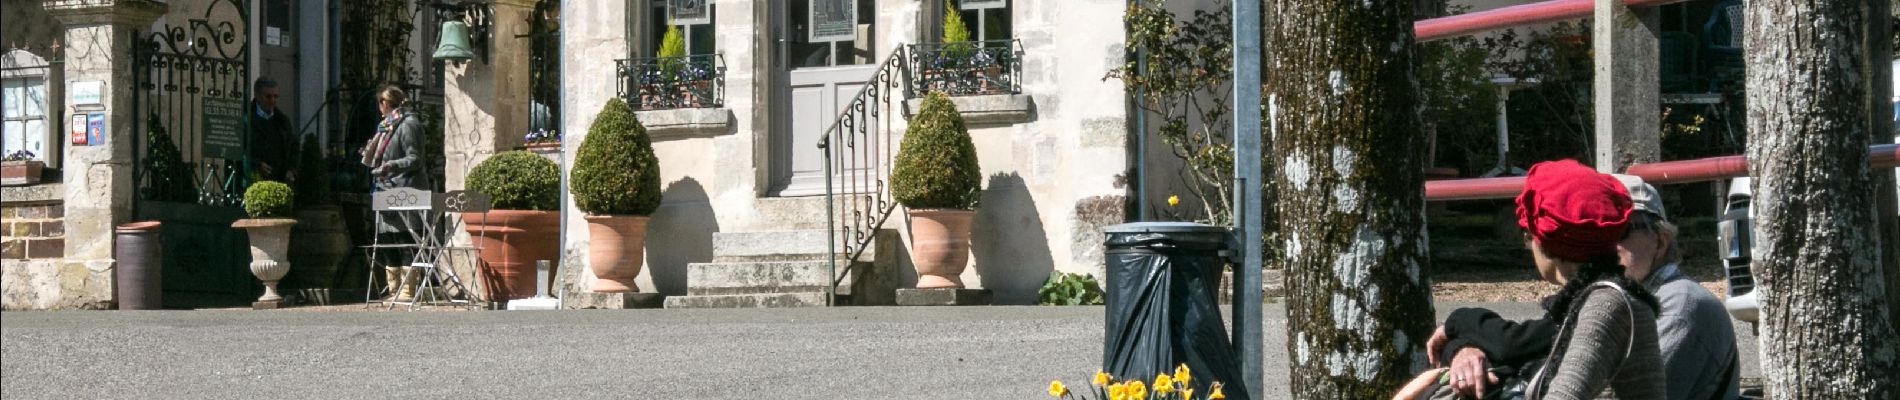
(820, 79)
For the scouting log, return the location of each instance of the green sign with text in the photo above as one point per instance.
(223, 134)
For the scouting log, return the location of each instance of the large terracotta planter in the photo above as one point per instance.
(21, 173)
(270, 244)
(511, 241)
(940, 246)
(616, 250)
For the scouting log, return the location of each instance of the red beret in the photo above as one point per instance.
(1575, 212)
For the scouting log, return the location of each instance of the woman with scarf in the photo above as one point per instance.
(395, 159)
(1602, 325)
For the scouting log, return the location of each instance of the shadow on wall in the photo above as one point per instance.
(680, 233)
(1010, 247)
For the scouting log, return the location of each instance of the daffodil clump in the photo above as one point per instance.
(1164, 386)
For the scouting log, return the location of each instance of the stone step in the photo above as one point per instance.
(796, 245)
(773, 300)
(766, 277)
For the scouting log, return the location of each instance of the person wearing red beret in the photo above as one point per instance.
(1598, 331)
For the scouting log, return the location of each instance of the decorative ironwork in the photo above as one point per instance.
(177, 69)
(659, 83)
(968, 68)
(544, 66)
(858, 148)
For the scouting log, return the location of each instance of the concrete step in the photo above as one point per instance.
(773, 300)
(764, 277)
(795, 245)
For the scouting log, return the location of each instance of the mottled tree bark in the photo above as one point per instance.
(1344, 124)
(1824, 322)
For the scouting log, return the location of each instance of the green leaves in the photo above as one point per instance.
(268, 199)
(518, 180)
(168, 177)
(616, 172)
(936, 163)
(1066, 289)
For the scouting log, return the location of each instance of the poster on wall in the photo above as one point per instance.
(833, 20)
(96, 129)
(688, 12)
(981, 4)
(77, 129)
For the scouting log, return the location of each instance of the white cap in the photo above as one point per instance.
(1643, 195)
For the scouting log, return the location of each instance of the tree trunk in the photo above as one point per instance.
(1880, 48)
(1825, 332)
(1345, 131)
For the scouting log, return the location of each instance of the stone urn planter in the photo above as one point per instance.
(616, 251)
(511, 241)
(940, 246)
(270, 246)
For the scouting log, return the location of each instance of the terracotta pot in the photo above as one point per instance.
(940, 246)
(270, 243)
(511, 241)
(21, 173)
(616, 250)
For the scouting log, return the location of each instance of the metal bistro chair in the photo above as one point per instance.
(429, 218)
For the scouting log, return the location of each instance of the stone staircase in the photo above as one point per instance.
(787, 269)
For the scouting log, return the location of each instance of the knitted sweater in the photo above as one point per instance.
(1595, 359)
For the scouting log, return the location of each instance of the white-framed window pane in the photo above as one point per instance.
(34, 98)
(35, 137)
(12, 90)
(14, 133)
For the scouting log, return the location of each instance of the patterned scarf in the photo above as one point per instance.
(373, 151)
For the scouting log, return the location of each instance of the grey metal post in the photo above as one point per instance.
(1247, 308)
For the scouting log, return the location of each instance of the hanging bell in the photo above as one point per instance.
(454, 46)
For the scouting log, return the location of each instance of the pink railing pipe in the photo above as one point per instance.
(1658, 173)
(1504, 17)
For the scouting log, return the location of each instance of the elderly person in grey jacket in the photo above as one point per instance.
(396, 160)
(1693, 329)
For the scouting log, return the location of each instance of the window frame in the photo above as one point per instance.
(20, 65)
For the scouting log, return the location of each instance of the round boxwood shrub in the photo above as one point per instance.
(616, 172)
(936, 163)
(268, 199)
(518, 180)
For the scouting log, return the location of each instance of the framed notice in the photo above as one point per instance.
(77, 129)
(688, 12)
(981, 4)
(96, 128)
(223, 134)
(833, 20)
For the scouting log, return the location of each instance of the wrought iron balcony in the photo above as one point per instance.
(967, 68)
(662, 83)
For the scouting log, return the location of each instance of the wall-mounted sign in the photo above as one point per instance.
(223, 134)
(96, 129)
(88, 93)
(833, 20)
(981, 4)
(77, 129)
(688, 12)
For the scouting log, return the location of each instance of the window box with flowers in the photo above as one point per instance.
(20, 168)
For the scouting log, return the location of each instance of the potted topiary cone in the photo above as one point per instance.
(522, 226)
(268, 205)
(938, 179)
(617, 183)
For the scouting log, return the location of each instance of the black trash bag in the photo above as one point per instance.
(1162, 310)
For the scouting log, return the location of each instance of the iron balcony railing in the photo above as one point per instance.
(967, 68)
(858, 147)
(661, 83)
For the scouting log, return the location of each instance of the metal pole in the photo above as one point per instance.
(1247, 304)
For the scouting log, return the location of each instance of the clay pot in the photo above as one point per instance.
(616, 250)
(511, 241)
(21, 173)
(270, 243)
(940, 246)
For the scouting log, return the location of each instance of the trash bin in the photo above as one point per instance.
(1162, 279)
(138, 275)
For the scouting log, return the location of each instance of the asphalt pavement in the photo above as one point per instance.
(825, 353)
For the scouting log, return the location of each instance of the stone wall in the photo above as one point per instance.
(33, 230)
(34, 271)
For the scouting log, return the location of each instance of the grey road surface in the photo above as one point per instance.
(837, 353)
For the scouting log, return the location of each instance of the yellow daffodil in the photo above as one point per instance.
(1216, 394)
(1174, 201)
(1101, 378)
(1164, 384)
(1137, 390)
(1118, 392)
(1187, 393)
(1181, 374)
(1057, 390)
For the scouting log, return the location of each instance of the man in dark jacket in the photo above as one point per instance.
(1695, 335)
(271, 142)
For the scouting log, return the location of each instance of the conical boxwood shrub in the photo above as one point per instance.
(936, 163)
(518, 180)
(168, 177)
(616, 172)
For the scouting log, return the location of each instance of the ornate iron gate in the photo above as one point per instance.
(191, 102)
